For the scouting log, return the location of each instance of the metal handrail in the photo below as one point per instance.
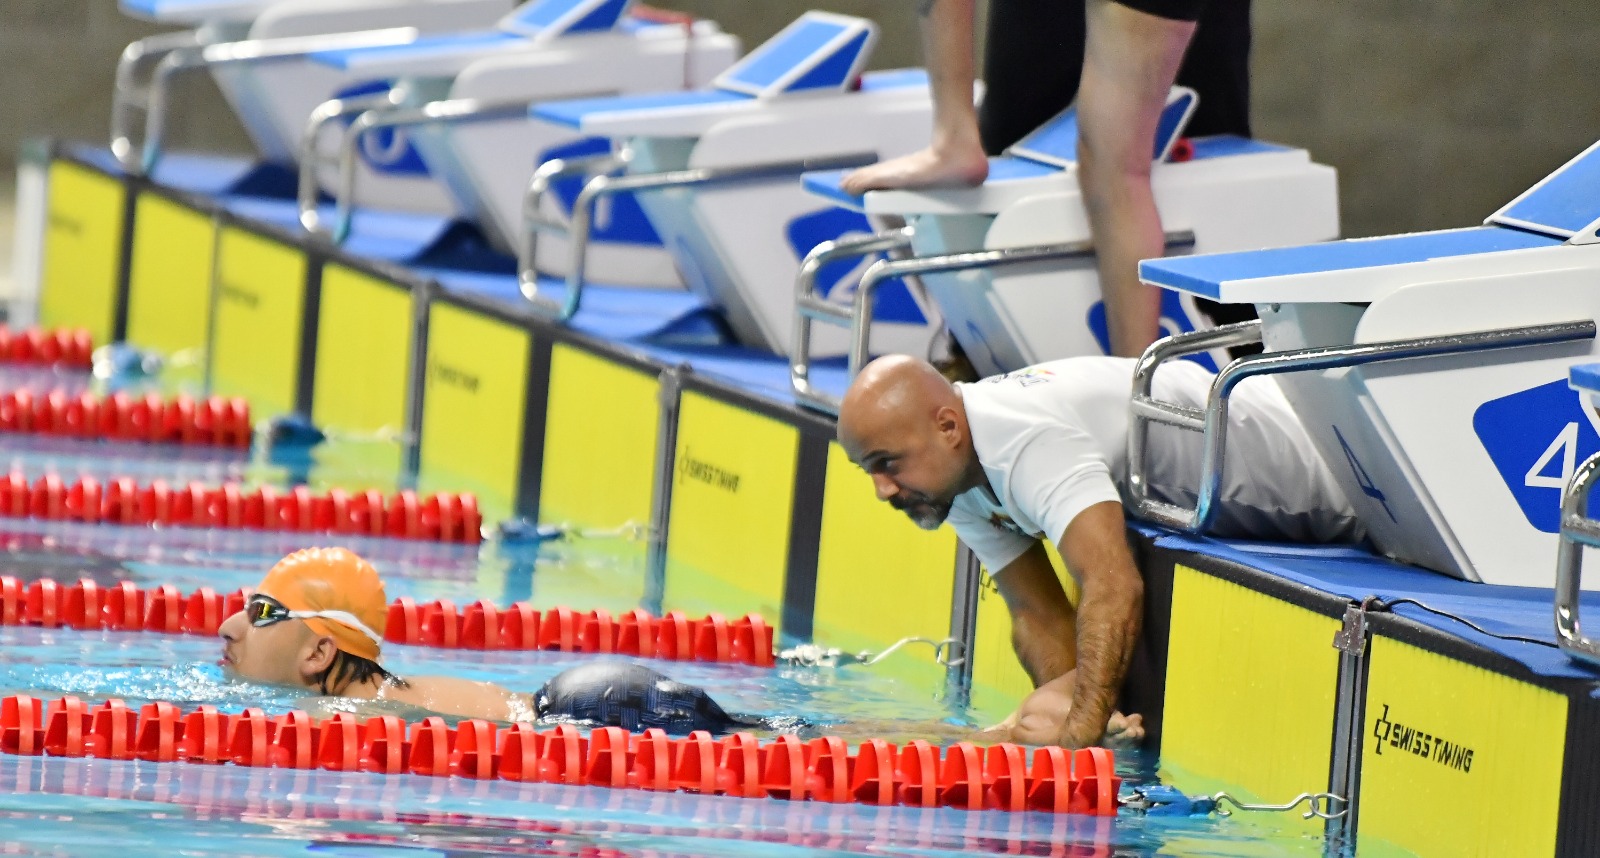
(859, 317)
(131, 91)
(192, 57)
(1212, 421)
(1577, 531)
(578, 231)
(809, 306)
(388, 113)
(312, 160)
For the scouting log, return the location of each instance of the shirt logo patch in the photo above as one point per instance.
(1025, 377)
(1001, 521)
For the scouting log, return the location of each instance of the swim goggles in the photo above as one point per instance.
(263, 611)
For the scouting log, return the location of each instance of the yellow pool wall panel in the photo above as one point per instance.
(1458, 760)
(366, 334)
(880, 578)
(601, 426)
(83, 245)
(260, 320)
(474, 406)
(1250, 691)
(733, 488)
(169, 281)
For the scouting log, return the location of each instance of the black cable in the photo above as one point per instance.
(1389, 606)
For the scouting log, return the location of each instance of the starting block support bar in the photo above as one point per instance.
(809, 307)
(1577, 531)
(151, 99)
(383, 112)
(133, 90)
(326, 113)
(607, 185)
(1213, 422)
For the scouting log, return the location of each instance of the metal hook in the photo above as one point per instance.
(943, 651)
(1315, 809)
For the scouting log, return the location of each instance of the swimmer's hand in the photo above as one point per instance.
(1042, 718)
(952, 166)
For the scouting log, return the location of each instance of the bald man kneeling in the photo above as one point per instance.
(1041, 453)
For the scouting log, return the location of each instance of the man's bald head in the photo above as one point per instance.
(904, 424)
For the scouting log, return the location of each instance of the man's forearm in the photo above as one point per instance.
(947, 49)
(1109, 617)
(1046, 650)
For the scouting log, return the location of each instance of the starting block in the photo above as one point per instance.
(1430, 370)
(716, 171)
(1010, 263)
(256, 52)
(445, 125)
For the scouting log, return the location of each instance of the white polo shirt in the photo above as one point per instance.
(1053, 441)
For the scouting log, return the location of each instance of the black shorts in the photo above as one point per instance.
(1034, 58)
(1176, 10)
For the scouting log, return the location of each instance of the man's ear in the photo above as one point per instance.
(318, 657)
(948, 424)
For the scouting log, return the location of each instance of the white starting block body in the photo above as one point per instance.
(798, 97)
(1231, 193)
(263, 95)
(480, 168)
(1458, 462)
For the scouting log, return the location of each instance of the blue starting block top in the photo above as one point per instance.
(1585, 377)
(1207, 274)
(1563, 204)
(818, 51)
(1056, 142)
(549, 19)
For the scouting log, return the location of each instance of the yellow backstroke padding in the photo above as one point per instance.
(169, 280)
(260, 321)
(364, 342)
(1457, 760)
(1251, 686)
(600, 441)
(880, 578)
(732, 495)
(365, 335)
(82, 250)
(474, 405)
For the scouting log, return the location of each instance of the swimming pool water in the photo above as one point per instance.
(52, 806)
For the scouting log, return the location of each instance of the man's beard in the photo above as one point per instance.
(924, 512)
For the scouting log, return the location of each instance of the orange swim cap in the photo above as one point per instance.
(332, 579)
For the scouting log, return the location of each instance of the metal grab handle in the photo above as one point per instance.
(580, 229)
(1577, 531)
(809, 306)
(383, 112)
(1212, 422)
(132, 89)
(312, 160)
(859, 317)
(192, 57)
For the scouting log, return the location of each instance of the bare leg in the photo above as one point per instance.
(955, 155)
(1129, 65)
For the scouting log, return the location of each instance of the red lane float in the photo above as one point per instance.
(231, 506)
(215, 421)
(964, 776)
(72, 347)
(439, 624)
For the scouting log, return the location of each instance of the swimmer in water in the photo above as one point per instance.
(316, 622)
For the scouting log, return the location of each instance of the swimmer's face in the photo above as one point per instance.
(286, 652)
(915, 465)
